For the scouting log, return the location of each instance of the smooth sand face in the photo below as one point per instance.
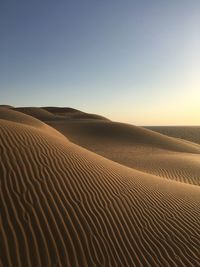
(190, 133)
(62, 205)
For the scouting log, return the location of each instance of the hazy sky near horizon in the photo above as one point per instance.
(135, 61)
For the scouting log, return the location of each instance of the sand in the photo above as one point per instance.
(57, 114)
(190, 133)
(137, 148)
(63, 205)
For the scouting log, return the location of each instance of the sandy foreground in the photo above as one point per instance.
(77, 189)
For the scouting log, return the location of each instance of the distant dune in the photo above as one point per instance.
(56, 113)
(38, 113)
(62, 205)
(5, 106)
(190, 133)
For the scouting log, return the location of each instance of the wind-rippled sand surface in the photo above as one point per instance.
(62, 205)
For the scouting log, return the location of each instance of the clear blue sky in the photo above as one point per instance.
(135, 61)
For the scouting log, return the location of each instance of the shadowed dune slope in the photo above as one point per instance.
(5, 106)
(38, 113)
(73, 113)
(55, 113)
(190, 133)
(62, 205)
(84, 126)
(137, 148)
(121, 132)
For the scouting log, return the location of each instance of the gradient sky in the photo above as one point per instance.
(136, 61)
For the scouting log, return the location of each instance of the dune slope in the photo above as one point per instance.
(62, 205)
(137, 148)
(190, 133)
(57, 113)
(73, 113)
(132, 146)
(38, 113)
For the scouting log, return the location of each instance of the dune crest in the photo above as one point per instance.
(57, 113)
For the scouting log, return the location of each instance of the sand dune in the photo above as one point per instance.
(137, 148)
(73, 113)
(6, 106)
(126, 133)
(190, 133)
(38, 113)
(62, 205)
(132, 146)
(56, 113)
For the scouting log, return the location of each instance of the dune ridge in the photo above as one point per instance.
(62, 205)
(57, 113)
